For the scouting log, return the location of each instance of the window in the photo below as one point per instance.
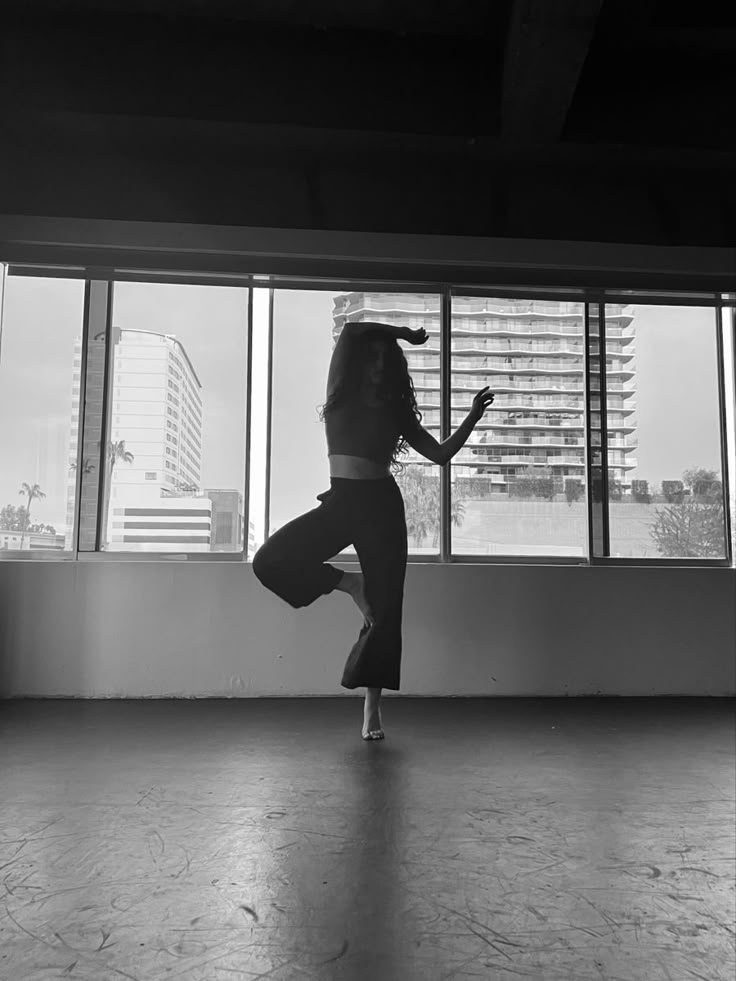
(41, 330)
(203, 331)
(611, 436)
(665, 467)
(306, 325)
(518, 484)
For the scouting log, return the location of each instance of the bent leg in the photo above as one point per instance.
(292, 563)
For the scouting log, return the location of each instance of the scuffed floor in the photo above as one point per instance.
(239, 839)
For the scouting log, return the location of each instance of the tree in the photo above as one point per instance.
(421, 493)
(42, 529)
(31, 491)
(115, 452)
(14, 519)
(673, 491)
(703, 483)
(87, 465)
(640, 491)
(533, 482)
(414, 488)
(692, 526)
(573, 490)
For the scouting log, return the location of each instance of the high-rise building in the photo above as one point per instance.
(529, 352)
(155, 446)
(157, 413)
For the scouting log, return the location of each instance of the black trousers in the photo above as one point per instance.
(368, 514)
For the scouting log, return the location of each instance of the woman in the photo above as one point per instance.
(370, 413)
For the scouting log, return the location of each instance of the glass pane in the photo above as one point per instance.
(302, 346)
(664, 459)
(420, 488)
(518, 484)
(307, 324)
(39, 364)
(175, 474)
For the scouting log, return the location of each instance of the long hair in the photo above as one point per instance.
(396, 385)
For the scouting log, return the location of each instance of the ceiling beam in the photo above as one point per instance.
(41, 133)
(546, 46)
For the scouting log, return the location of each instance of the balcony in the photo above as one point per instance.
(520, 440)
(613, 443)
(509, 459)
(553, 383)
(512, 401)
(397, 305)
(519, 364)
(522, 308)
(536, 422)
(499, 327)
(517, 347)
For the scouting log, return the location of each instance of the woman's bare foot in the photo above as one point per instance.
(354, 584)
(372, 727)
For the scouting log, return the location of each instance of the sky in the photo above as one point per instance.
(676, 386)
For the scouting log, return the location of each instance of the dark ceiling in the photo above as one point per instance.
(594, 119)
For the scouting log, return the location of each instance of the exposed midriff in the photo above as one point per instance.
(356, 467)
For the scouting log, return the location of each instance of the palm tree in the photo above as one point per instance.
(31, 491)
(115, 451)
(457, 516)
(421, 493)
(87, 466)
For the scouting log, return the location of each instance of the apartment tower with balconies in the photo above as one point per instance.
(530, 352)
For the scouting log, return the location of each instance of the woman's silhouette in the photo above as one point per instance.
(370, 413)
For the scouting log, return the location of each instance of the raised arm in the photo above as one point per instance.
(399, 333)
(352, 329)
(441, 453)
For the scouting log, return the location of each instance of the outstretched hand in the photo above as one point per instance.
(481, 401)
(418, 336)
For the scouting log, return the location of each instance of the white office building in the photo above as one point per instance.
(155, 447)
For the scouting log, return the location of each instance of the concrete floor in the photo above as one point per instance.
(491, 838)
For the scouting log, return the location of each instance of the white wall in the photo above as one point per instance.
(134, 629)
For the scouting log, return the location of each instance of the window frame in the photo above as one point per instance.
(586, 273)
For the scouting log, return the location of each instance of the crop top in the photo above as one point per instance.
(354, 428)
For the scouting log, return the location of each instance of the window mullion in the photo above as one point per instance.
(722, 368)
(445, 422)
(93, 395)
(269, 414)
(248, 425)
(604, 433)
(76, 523)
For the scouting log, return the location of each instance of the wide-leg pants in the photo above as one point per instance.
(368, 514)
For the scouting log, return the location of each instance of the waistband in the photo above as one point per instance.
(362, 481)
